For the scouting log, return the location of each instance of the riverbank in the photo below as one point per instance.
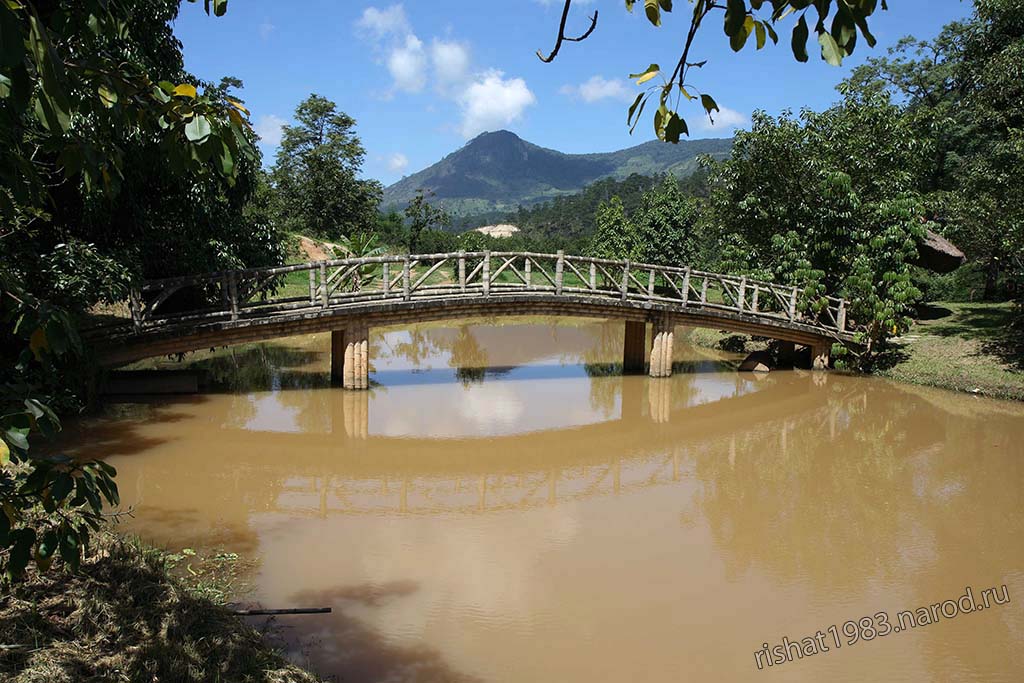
(968, 347)
(125, 616)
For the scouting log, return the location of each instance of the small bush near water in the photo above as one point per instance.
(124, 617)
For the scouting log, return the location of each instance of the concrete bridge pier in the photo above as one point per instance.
(661, 347)
(350, 350)
(633, 347)
(820, 354)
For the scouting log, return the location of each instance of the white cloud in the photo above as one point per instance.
(379, 23)
(268, 127)
(598, 88)
(408, 65)
(725, 119)
(266, 28)
(450, 59)
(492, 101)
(397, 162)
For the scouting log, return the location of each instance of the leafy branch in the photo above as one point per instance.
(837, 26)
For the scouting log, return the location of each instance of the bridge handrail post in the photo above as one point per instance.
(312, 287)
(841, 316)
(792, 304)
(528, 271)
(742, 294)
(462, 271)
(486, 272)
(559, 272)
(650, 284)
(704, 291)
(324, 297)
(593, 276)
(406, 279)
(624, 287)
(753, 299)
(233, 293)
(385, 272)
(686, 285)
(134, 303)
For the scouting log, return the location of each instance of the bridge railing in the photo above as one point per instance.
(239, 294)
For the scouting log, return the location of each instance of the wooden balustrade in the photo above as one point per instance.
(233, 295)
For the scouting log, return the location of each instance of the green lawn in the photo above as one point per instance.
(964, 347)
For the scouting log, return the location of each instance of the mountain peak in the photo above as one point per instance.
(495, 135)
(498, 170)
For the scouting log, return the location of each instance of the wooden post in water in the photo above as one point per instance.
(633, 344)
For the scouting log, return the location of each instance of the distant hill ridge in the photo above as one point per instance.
(500, 171)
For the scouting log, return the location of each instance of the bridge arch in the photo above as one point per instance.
(349, 296)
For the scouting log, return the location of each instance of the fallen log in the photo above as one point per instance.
(268, 612)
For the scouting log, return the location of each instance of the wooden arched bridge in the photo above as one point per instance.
(348, 296)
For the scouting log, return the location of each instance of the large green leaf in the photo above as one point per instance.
(800, 35)
(830, 50)
(198, 129)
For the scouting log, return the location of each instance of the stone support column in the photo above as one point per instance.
(820, 353)
(633, 347)
(350, 350)
(661, 347)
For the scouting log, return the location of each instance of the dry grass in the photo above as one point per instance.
(125, 618)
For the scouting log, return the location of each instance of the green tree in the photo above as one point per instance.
(316, 170)
(422, 216)
(840, 213)
(616, 237)
(667, 221)
(663, 228)
(95, 107)
(964, 95)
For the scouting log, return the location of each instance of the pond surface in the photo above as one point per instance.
(502, 506)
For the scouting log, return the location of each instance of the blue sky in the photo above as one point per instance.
(423, 76)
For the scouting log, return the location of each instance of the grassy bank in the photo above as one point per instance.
(961, 346)
(126, 617)
(968, 347)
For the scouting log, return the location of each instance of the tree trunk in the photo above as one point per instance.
(991, 280)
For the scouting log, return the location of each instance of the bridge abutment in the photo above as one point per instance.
(350, 351)
(634, 347)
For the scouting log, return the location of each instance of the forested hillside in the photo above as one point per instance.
(500, 171)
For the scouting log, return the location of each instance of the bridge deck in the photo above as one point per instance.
(183, 314)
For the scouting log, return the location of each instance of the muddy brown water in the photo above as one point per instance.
(503, 506)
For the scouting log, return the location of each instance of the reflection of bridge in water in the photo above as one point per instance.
(351, 471)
